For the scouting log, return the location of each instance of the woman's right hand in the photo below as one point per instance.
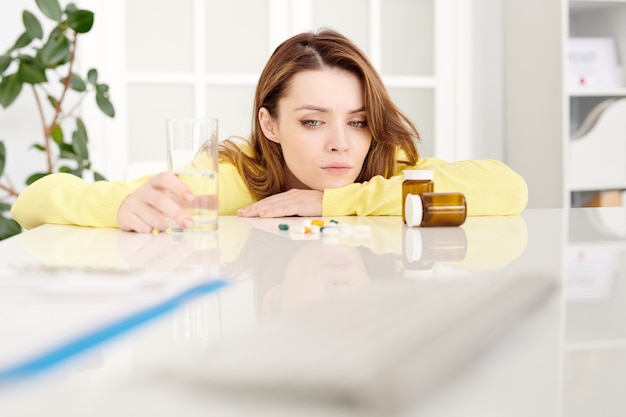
(149, 206)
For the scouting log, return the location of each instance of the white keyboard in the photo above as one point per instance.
(380, 347)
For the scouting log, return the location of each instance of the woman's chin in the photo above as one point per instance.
(337, 184)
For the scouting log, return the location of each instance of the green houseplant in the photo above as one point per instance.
(44, 64)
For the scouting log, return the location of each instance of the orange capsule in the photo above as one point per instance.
(316, 222)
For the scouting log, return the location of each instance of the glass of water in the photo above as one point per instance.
(192, 156)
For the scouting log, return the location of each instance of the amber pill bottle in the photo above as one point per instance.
(435, 209)
(416, 182)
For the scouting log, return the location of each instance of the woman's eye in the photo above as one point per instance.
(358, 124)
(310, 123)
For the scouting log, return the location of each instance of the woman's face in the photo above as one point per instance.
(322, 129)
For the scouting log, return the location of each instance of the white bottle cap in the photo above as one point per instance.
(413, 210)
(418, 174)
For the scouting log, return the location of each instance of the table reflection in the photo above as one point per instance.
(594, 336)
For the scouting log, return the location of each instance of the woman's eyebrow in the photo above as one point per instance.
(311, 107)
(324, 109)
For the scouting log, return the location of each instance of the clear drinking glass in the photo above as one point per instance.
(192, 156)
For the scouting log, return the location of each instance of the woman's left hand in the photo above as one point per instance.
(306, 203)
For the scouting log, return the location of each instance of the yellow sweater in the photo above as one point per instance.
(490, 188)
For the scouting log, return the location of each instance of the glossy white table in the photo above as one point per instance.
(566, 358)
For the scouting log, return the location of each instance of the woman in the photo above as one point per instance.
(327, 141)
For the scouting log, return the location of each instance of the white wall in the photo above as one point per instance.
(487, 80)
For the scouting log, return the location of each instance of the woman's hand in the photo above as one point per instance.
(149, 206)
(307, 203)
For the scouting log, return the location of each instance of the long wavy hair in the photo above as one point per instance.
(263, 169)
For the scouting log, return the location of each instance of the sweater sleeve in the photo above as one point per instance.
(66, 199)
(490, 188)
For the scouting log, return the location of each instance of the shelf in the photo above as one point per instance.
(585, 5)
(599, 187)
(621, 92)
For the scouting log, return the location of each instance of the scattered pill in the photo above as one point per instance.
(297, 230)
(330, 231)
(283, 226)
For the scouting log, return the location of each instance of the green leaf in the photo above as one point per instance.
(77, 83)
(3, 157)
(80, 21)
(4, 207)
(50, 8)
(32, 25)
(79, 141)
(57, 134)
(98, 176)
(53, 101)
(92, 76)
(102, 88)
(105, 104)
(35, 177)
(39, 147)
(56, 51)
(71, 7)
(30, 73)
(22, 41)
(81, 128)
(9, 227)
(5, 61)
(10, 88)
(66, 151)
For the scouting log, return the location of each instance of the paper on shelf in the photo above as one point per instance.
(598, 148)
(592, 64)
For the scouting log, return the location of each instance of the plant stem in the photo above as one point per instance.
(66, 81)
(57, 111)
(12, 192)
(46, 130)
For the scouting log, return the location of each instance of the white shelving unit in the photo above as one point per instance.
(540, 112)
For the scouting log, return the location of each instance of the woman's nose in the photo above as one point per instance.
(338, 142)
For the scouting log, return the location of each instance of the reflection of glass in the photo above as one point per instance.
(203, 252)
(425, 247)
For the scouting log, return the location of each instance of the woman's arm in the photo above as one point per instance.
(66, 199)
(490, 188)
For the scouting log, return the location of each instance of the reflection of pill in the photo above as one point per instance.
(297, 230)
(330, 231)
(317, 222)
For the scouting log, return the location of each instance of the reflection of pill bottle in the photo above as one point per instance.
(413, 262)
(435, 209)
(425, 247)
(416, 182)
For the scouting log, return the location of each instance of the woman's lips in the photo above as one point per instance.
(337, 169)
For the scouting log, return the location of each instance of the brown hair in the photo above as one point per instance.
(264, 169)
